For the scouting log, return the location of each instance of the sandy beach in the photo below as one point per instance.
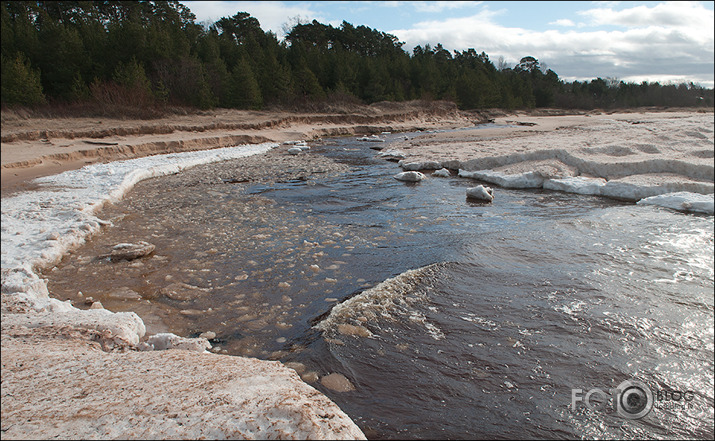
(55, 353)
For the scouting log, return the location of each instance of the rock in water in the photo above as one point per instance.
(337, 382)
(481, 193)
(131, 251)
(124, 293)
(410, 176)
(442, 173)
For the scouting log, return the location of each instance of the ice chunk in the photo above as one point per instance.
(409, 176)
(576, 184)
(521, 180)
(442, 173)
(416, 166)
(481, 193)
(682, 201)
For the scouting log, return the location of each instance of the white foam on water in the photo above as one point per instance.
(389, 300)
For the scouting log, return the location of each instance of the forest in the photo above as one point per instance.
(149, 54)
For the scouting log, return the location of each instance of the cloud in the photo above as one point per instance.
(271, 14)
(563, 22)
(647, 45)
(442, 5)
(686, 15)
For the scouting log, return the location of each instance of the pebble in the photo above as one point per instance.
(296, 366)
(310, 377)
(208, 335)
(337, 382)
(125, 293)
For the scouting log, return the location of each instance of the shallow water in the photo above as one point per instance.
(520, 301)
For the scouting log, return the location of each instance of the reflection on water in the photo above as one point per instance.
(510, 307)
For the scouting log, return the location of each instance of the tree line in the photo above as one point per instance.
(153, 53)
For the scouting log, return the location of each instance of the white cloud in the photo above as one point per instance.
(271, 14)
(650, 46)
(442, 6)
(690, 15)
(563, 22)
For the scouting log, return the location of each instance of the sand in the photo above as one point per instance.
(41, 147)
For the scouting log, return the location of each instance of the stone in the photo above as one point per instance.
(208, 335)
(337, 382)
(310, 377)
(296, 366)
(409, 176)
(481, 193)
(392, 155)
(442, 173)
(124, 293)
(131, 251)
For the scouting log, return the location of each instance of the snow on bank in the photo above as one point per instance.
(39, 227)
(672, 192)
(629, 157)
(682, 201)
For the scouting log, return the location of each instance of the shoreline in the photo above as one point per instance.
(29, 327)
(71, 143)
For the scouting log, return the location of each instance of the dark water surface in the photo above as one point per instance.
(532, 296)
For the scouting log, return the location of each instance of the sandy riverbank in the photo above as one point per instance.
(92, 353)
(41, 147)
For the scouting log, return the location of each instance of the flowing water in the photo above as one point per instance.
(494, 318)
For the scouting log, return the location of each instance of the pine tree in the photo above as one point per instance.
(20, 83)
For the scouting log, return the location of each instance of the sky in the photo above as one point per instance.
(668, 42)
